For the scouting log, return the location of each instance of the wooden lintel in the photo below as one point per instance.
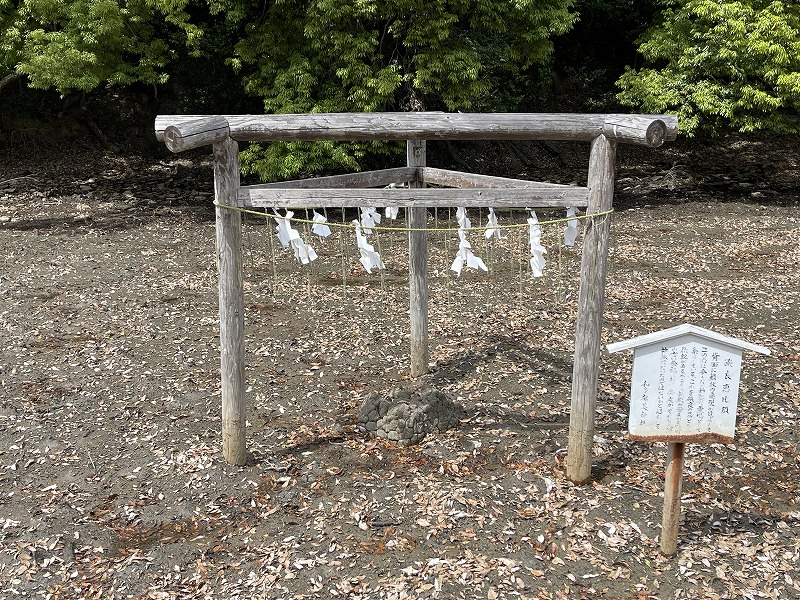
(645, 130)
(534, 197)
(461, 179)
(367, 179)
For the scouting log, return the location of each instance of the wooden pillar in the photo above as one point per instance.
(591, 298)
(673, 483)
(231, 301)
(418, 268)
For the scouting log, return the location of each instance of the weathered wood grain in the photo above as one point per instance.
(196, 133)
(634, 129)
(534, 197)
(437, 125)
(460, 179)
(591, 300)
(366, 179)
(673, 484)
(418, 267)
(231, 302)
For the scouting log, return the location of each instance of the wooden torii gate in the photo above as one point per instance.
(603, 131)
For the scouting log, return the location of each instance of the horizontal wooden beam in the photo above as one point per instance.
(635, 129)
(533, 197)
(460, 179)
(647, 130)
(199, 132)
(382, 177)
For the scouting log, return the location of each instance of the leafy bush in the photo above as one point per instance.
(372, 55)
(721, 64)
(80, 44)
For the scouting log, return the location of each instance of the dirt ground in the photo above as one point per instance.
(112, 479)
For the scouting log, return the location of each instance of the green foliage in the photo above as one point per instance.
(721, 64)
(80, 44)
(372, 55)
(285, 160)
(293, 55)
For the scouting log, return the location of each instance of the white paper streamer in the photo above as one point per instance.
(390, 212)
(465, 255)
(571, 228)
(370, 217)
(304, 252)
(492, 225)
(289, 236)
(319, 228)
(537, 250)
(284, 228)
(370, 259)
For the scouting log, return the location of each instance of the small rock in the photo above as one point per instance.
(288, 498)
(68, 554)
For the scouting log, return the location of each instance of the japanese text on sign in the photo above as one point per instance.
(685, 389)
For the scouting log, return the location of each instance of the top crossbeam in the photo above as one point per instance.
(183, 132)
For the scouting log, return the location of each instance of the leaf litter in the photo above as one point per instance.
(113, 484)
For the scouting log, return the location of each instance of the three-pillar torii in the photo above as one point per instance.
(603, 131)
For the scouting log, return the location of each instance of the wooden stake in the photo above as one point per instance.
(591, 299)
(418, 268)
(673, 483)
(231, 301)
(343, 244)
(272, 255)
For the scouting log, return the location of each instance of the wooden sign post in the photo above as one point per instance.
(685, 388)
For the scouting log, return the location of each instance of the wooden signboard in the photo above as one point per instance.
(684, 388)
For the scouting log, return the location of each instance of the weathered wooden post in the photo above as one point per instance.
(591, 299)
(673, 484)
(231, 300)
(418, 267)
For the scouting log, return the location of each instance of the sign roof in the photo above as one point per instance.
(686, 328)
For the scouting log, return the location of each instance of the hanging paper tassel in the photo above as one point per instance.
(492, 227)
(319, 228)
(370, 259)
(284, 228)
(571, 228)
(289, 236)
(390, 212)
(465, 255)
(369, 218)
(537, 250)
(304, 252)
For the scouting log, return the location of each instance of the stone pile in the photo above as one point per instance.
(405, 418)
